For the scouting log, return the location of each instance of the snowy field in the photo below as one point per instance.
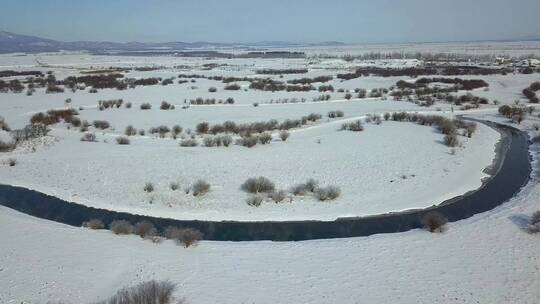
(388, 167)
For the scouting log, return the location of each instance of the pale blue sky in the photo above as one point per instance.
(349, 21)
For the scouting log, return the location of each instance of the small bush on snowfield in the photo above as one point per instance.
(150, 292)
(327, 193)
(142, 132)
(255, 200)
(148, 187)
(348, 96)
(232, 87)
(130, 131)
(226, 140)
(174, 186)
(94, 224)
(354, 126)
(122, 140)
(121, 227)
(258, 185)
(189, 143)
(309, 186)
(451, 140)
(202, 127)
(12, 162)
(101, 124)
(128, 105)
(209, 141)
(166, 106)
(89, 137)
(212, 89)
(185, 236)
(314, 117)
(247, 141)
(200, 188)
(334, 114)
(534, 223)
(434, 221)
(284, 135)
(146, 106)
(278, 196)
(144, 229)
(265, 138)
(176, 129)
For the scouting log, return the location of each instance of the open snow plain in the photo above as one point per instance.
(387, 167)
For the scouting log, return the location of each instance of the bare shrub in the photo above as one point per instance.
(247, 141)
(212, 89)
(202, 127)
(130, 131)
(434, 221)
(101, 124)
(148, 187)
(12, 162)
(354, 126)
(128, 105)
(166, 106)
(7, 145)
(334, 114)
(257, 185)
(451, 140)
(144, 229)
(146, 106)
(122, 140)
(94, 224)
(89, 137)
(121, 227)
(284, 135)
(176, 129)
(226, 140)
(200, 188)
(185, 236)
(150, 292)
(142, 132)
(278, 196)
(327, 193)
(209, 141)
(189, 143)
(309, 186)
(265, 138)
(255, 200)
(174, 186)
(534, 223)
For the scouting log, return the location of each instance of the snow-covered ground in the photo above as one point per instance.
(484, 259)
(387, 167)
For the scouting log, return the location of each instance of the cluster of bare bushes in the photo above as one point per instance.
(447, 70)
(19, 135)
(449, 127)
(261, 189)
(515, 113)
(211, 101)
(530, 92)
(355, 126)
(198, 188)
(434, 221)
(247, 129)
(146, 230)
(55, 116)
(282, 71)
(150, 292)
(110, 104)
(305, 81)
